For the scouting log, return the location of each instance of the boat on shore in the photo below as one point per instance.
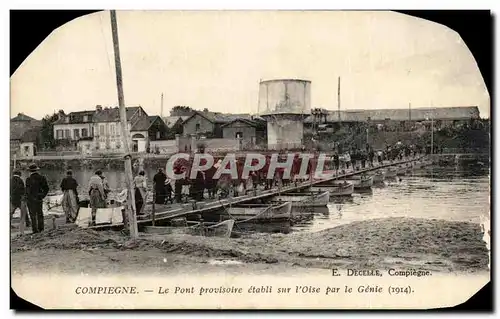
(244, 213)
(362, 181)
(305, 199)
(222, 229)
(337, 188)
(379, 176)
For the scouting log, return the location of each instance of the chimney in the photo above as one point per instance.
(98, 108)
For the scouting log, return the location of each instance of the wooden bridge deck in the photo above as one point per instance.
(208, 206)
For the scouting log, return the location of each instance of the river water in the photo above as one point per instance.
(433, 193)
(448, 193)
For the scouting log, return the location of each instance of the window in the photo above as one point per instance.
(59, 134)
(101, 129)
(239, 135)
(92, 132)
(76, 134)
(112, 130)
(197, 127)
(26, 149)
(67, 133)
(85, 132)
(157, 135)
(85, 118)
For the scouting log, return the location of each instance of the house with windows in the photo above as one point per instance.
(24, 132)
(147, 129)
(250, 132)
(209, 123)
(107, 127)
(74, 125)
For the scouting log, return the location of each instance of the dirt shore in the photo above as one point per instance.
(436, 245)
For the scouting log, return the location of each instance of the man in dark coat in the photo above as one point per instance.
(17, 195)
(210, 182)
(159, 186)
(36, 190)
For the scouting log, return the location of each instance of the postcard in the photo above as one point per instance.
(249, 160)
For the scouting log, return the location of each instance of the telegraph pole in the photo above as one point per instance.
(132, 218)
(338, 99)
(161, 106)
(409, 114)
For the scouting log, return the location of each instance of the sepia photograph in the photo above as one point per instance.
(330, 159)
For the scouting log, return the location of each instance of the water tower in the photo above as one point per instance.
(284, 103)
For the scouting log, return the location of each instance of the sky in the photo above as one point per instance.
(215, 60)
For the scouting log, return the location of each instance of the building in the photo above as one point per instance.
(24, 132)
(74, 125)
(147, 129)
(250, 132)
(398, 118)
(174, 124)
(209, 124)
(107, 127)
(29, 142)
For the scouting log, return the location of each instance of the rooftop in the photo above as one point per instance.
(76, 117)
(112, 114)
(171, 120)
(222, 118)
(145, 123)
(21, 117)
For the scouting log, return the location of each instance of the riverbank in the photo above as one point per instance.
(403, 243)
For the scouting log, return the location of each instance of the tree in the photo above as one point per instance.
(47, 140)
(180, 110)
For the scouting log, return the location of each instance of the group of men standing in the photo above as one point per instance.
(30, 194)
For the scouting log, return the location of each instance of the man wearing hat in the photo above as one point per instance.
(36, 190)
(17, 196)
